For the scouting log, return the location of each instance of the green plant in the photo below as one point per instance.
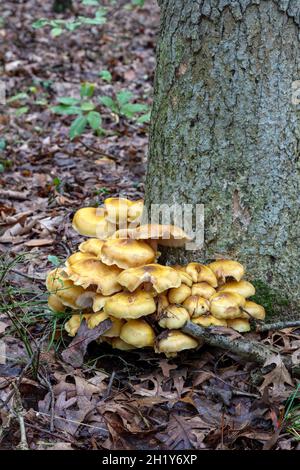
(22, 101)
(88, 113)
(122, 106)
(60, 26)
(291, 418)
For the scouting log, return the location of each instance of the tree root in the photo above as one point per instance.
(250, 351)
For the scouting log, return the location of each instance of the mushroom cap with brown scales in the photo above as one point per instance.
(58, 283)
(138, 333)
(92, 246)
(196, 305)
(118, 343)
(245, 288)
(55, 304)
(161, 277)
(130, 305)
(177, 295)
(241, 325)
(227, 305)
(119, 211)
(91, 222)
(203, 289)
(201, 273)
(170, 342)
(224, 268)
(92, 272)
(126, 253)
(254, 310)
(209, 320)
(173, 317)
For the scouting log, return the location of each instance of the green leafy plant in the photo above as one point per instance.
(22, 101)
(292, 414)
(88, 114)
(122, 106)
(60, 26)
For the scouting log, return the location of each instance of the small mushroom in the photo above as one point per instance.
(73, 324)
(92, 246)
(241, 325)
(224, 268)
(55, 304)
(203, 289)
(226, 305)
(118, 343)
(254, 310)
(138, 333)
(58, 283)
(120, 211)
(126, 253)
(196, 305)
(209, 320)
(245, 288)
(91, 222)
(184, 276)
(94, 319)
(99, 302)
(115, 330)
(161, 277)
(77, 257)
(177, 295)
(201, 273)
(173, 317)
(173, 341)
(166, 235)
(130, 305)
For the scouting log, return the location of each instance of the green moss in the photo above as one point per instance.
(271, 299)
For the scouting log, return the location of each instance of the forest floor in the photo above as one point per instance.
(206, 399)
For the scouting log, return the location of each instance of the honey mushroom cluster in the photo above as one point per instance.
(115, 274)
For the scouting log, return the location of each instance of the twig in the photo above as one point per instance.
(107, 393)
(280, 325)
(247, 350)
(19, 412)
(9, 194)
(98, 151)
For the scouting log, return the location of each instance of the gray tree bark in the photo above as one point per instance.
(225, 131)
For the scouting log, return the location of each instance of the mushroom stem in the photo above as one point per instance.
(247, 350)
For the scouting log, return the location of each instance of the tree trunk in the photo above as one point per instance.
(225, 130)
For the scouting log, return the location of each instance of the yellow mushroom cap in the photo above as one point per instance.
(173, 341)
(226, 305)
(91, 222)
(58, 283)
(99, 302)
(55, 303)
(209, 320)
(162, 303)
(166, 235)
(196, 305)
(130, 305)
(161, 277)
(224, 268)
(184, 276)
(173, 317)
(138, 333)
(93, 272)
(77, 257)
(241, 325)
(120, 210)
(203, 289)
(245, 288)
(255, 310)
(73, 324)
(92, 246)
(118, 343)
(177, 295)
(94, 319)
(126, 253)
(201, 273)
(115, 330)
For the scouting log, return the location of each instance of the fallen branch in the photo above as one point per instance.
(251, 351)
(280, 325)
